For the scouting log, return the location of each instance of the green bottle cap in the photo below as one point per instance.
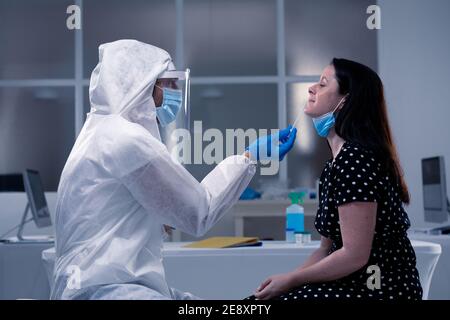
(296, 197)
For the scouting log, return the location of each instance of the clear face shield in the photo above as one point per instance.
(177, 80)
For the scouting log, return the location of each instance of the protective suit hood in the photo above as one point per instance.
(123, 80)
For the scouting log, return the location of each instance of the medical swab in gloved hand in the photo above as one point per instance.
(290, 130)
(295, 123)
(273, 146)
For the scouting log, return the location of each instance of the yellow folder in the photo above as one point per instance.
(224, 242)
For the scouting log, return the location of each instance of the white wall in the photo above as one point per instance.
(414, 64)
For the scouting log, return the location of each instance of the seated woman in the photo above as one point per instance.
(360, 217)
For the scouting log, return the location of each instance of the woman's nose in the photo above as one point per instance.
(310, 90)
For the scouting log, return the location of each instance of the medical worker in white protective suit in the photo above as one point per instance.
(120, 186)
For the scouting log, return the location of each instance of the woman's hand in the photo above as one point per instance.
(274, 286)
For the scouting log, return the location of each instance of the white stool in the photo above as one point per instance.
(427, 254)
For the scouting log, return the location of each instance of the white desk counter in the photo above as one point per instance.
(22, 273)
(231, 273)
(235, 272)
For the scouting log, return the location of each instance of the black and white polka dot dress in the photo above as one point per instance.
(356, 175)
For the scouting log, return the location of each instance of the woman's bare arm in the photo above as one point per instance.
(319, 254)
(357, 221)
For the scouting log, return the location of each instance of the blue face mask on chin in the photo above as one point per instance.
(172, 100)
(324, 123)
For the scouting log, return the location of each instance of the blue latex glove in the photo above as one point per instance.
(275, 146)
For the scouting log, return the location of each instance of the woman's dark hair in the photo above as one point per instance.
(363, 118)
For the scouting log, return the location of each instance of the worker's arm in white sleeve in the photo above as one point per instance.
(165, 188)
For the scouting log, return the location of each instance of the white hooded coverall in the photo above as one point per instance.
(120, 185)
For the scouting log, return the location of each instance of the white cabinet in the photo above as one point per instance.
(267, 218)
(261, 218)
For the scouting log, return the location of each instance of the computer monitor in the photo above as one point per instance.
(434, 190)
(36, 198)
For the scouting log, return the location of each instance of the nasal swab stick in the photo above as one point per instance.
(295, 122)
